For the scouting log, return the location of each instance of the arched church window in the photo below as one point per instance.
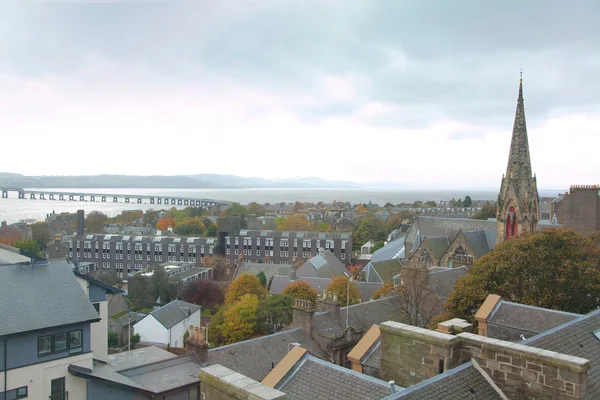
(511, 223)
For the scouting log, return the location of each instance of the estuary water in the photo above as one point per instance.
(14, 210)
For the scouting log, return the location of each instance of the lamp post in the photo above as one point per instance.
(347, 298)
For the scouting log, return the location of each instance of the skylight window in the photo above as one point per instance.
(597, 334)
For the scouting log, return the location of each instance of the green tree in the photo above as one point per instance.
(557, 269)
(378, 245)
(396, 220)
(135, 339)
(240, 319)
(113, 339)
(29, 246)
(262, 277)
(467, 202)
(256, 209)
(431, 203)
(235, 209)
(215, 328)
(41, 233)
(94, 222)
(243, 285)
(274, 312)
(369, 227)
(192, 226)
(301, 290)
(324, 227)
(150, 217)
(211, 231)
(340, 287)
(488, 210)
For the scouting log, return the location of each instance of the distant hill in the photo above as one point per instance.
(199, 181)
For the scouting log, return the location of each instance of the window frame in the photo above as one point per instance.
(46, 353)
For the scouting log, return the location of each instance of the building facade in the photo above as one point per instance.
(283, 247)
(123, 255)
(518, 201)
(579, 209)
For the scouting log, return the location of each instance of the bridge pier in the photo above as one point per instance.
(176, 201)
(104, 199)
(115, 200)
(151, 200)
(5, 194)
(92, 198)
(159, 201)
(42, 196)
(126, 199)
(51, 196)
(139, 200)
(21, 194)
(61, 197)
(32, 196)
(186, 202)
(71, 197)
(81, 198)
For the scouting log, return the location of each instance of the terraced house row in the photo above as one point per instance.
(127, 254)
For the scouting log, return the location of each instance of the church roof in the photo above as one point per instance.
(519, 161)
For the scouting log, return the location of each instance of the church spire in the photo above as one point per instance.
(518, 201)
(519, 161)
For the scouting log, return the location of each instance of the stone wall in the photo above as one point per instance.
(579, 209)
(526, 372)
(220, 383)
(410, 355)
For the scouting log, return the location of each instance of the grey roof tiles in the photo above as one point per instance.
(528, 318)
(41, 296)
(172, 313)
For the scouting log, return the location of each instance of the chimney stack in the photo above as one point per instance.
(80, 223)
(196, 344)
(302, 314)
(330, 304)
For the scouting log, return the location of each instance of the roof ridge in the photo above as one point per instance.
(175, 360)
(488, 379)
(255, 339)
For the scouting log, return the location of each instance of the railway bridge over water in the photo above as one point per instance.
(34, 194)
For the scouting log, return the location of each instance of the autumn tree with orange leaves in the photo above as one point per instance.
(164, 224)
(339, 287)
(243, 285)
(294, 223)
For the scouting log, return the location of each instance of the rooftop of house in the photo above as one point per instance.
(269, 269)
(323, 265)
(41, 296)
(256, 357)
(129, 318)
(366, 350)
(174, 312)
(11, 255)
(150, 239)
(279, 282)
(393, 249)
(294, 234)
(449, 227)
(463, 382)
(382, 271)
(528, 318)
(151, 370)
(301, 376)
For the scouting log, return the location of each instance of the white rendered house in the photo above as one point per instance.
(167, 325)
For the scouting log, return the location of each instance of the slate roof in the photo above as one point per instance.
(279, 282)
(313, 378)
(382, 271)
(373, 357)
(449, 227)
(174, 312)
(481, 241)
(460, 383)
(269, 269)
(576, 338)
(323, 265)
(294, 234)
(361, 316)
(41, 296)
(389, 250)
(10, 255)
(124, 319)
(150, 369)
(254, 358)
(442, 280)
(528, 318)
(438, 245)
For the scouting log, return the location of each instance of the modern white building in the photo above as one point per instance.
(167, 324)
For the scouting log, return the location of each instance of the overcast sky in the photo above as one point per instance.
(419, 92)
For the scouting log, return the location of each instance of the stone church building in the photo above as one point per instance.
(453, 242)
